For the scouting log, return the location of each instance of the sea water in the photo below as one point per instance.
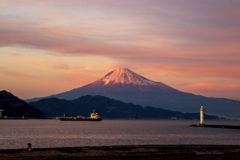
(15, 134)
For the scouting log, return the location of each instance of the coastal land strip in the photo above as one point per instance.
(217, 126)
(126, 152)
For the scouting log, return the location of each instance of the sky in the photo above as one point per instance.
(51, 46)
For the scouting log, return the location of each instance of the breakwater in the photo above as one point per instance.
(217, 126)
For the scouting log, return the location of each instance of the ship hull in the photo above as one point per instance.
(80, 119)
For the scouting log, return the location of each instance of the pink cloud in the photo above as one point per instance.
(200, 86)
(189, 67)
(180, 30)
(15, 74)
(44, 63)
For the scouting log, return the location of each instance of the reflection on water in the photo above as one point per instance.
(55, 133)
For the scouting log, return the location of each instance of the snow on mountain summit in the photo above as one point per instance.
(125, 76)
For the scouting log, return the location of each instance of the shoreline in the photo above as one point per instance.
(128, 152)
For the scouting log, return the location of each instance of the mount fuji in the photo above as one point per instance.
(127, 86)
(123, 80)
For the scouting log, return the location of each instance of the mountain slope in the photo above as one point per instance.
(15, 107)
(121, 80)
(116, 84)
(127, 86)
(107, 108)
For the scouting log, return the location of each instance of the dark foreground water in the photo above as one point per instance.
(16, 134)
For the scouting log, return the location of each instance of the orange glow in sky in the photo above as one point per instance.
(48, 47)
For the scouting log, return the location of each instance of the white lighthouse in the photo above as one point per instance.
(202, 116)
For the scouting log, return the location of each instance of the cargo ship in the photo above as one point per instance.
(94, 117)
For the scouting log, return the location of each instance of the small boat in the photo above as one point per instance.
(94, 117)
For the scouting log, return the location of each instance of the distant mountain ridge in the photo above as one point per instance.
(127, 86)
(15, 107)
(108, 108)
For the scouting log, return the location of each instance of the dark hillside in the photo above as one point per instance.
(15, 107)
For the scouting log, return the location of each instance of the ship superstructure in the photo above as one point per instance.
(95, 115)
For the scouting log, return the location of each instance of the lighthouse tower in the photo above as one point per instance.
(202, 116)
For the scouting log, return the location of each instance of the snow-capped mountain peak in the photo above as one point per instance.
(121, 82)
(125, 76)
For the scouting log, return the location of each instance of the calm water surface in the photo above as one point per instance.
(55, 133)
